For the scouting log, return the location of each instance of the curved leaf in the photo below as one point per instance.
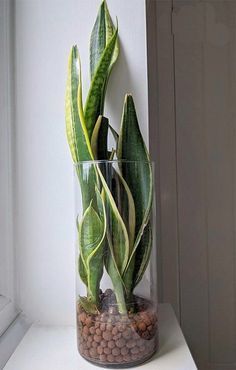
(141, 257)
(116, 230)
(110, 263)
(131, 147)
(125, 204)
(99, 138)
(114, 134)
(91, 237)
(82, 271)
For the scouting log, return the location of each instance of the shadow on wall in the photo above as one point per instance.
(123, 81)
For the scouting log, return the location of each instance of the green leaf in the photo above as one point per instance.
(109, 32)
(75, 126)
(125, 204)
(93, 102)
(77, 134)
(99, 138)
(118, 243)
(91, 237)
(140, 259)
(117, 235)
(117, 282)
(97, 40)
(109, 258)
(138, 174)
(83, 272)
(143, 254)
(88, 306)
(101, 35)
(114, 134)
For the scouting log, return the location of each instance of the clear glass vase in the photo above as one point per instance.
(116, 272)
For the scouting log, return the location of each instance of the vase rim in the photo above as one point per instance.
(99, 161)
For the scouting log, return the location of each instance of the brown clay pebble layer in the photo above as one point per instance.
(109, 338)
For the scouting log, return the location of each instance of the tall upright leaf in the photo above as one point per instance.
(118, 244)
(131, 147)
(92, 106)
(101, 34)
(117, 281)
(76, 130)
(75, 126)
(125, 204)
(109, 32)
(97, 39)
(116, 229)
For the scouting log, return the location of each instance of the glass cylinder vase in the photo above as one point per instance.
(116, 272)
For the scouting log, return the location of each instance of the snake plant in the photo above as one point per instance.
(122, 243)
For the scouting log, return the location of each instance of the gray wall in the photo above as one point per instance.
(192, 97)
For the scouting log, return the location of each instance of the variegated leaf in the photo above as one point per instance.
(93, 102)
(136, 170)
(99, 138)
(76, 130)
(102, 32)
(91, 237)
(117, 234)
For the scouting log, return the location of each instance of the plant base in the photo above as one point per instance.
(109, 339)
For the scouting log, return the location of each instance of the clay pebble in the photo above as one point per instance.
(111, 338)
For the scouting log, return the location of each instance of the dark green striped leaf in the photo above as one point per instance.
(138, 175)
(97, 40)
(93, 102)
(142, 255)
(102, 32)
(109, 32)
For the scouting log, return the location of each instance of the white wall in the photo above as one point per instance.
(44, 228)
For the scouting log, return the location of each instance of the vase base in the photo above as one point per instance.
(122, 365)
(110, 339)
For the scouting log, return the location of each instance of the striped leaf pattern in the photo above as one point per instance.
(92, 106)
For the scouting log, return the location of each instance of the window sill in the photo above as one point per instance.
(11, 338)
(8, 313)
(45, 347)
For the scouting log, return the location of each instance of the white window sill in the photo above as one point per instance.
(8, 313)
(11, 338)
(46, 348)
